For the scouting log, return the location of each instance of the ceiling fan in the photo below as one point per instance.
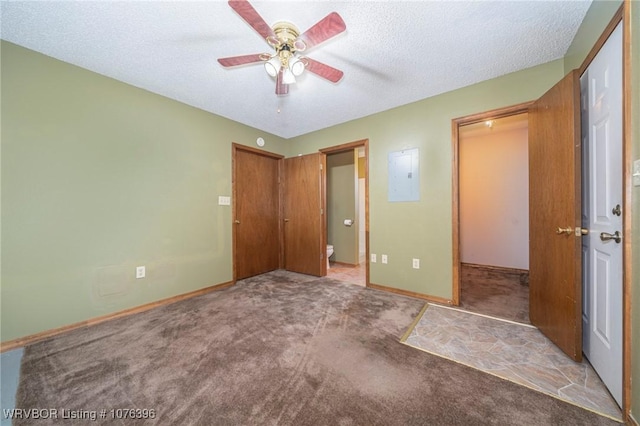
(287, 41)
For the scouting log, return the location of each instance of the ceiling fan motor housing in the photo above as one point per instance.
(286, 37)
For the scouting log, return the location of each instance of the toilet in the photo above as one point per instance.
(329, 253)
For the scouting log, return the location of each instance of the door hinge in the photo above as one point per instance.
(321, 166)
(321, 211)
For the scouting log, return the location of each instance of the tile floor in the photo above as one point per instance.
(512, 351)
(348, 273)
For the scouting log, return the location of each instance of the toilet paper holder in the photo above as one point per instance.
(348, 222)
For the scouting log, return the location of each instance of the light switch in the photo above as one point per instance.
(224, 201)
(636, 173)
(141, 272)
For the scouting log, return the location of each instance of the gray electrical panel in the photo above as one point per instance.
(404, 175)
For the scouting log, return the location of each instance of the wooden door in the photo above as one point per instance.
(256, 232)
(305, 245)
(555, 293)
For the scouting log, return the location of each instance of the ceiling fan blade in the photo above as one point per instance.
(234, 61)
(249, 14)
(281, 88)
(329, 26)
(325, 71)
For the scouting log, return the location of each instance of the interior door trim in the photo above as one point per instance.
(364, 143)
(235, 147)
(456, 123)
(627, 220)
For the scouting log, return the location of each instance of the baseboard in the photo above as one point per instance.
(33, 338)
(496, 268)
(427, 297)
(632, 420)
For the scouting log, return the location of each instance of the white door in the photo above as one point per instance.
(601, 92)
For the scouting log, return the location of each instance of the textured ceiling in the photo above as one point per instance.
(393, 52)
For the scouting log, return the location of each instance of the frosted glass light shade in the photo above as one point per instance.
(296, 66)
(288, 77)
(272, 66)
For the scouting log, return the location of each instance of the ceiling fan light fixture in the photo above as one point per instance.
(296, 66)
(272, 66)
(288, 77)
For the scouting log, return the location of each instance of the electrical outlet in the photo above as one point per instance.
(416, 263)
(374, 258)
(140, 272)
(384, 258)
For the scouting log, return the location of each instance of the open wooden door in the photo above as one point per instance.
(555, 263)
(305, 244)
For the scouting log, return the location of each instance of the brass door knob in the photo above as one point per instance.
(605, 236)
(568, 230)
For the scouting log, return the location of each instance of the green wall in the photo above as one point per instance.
(99, 177)
(341, 204)
(423, 229)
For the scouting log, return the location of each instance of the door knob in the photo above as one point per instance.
(236, 221)
(616, 210)
(605, 236)
(286, 220)
(568, 230)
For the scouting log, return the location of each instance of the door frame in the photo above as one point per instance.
(364, 143)
(235, 147)
(456, 123)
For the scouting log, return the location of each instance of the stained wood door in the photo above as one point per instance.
(304, 224)
(555, 286)
(256, 230)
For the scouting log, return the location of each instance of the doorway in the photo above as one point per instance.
(494, 217)
(567, 242)
(347, 212)
(475, 121)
